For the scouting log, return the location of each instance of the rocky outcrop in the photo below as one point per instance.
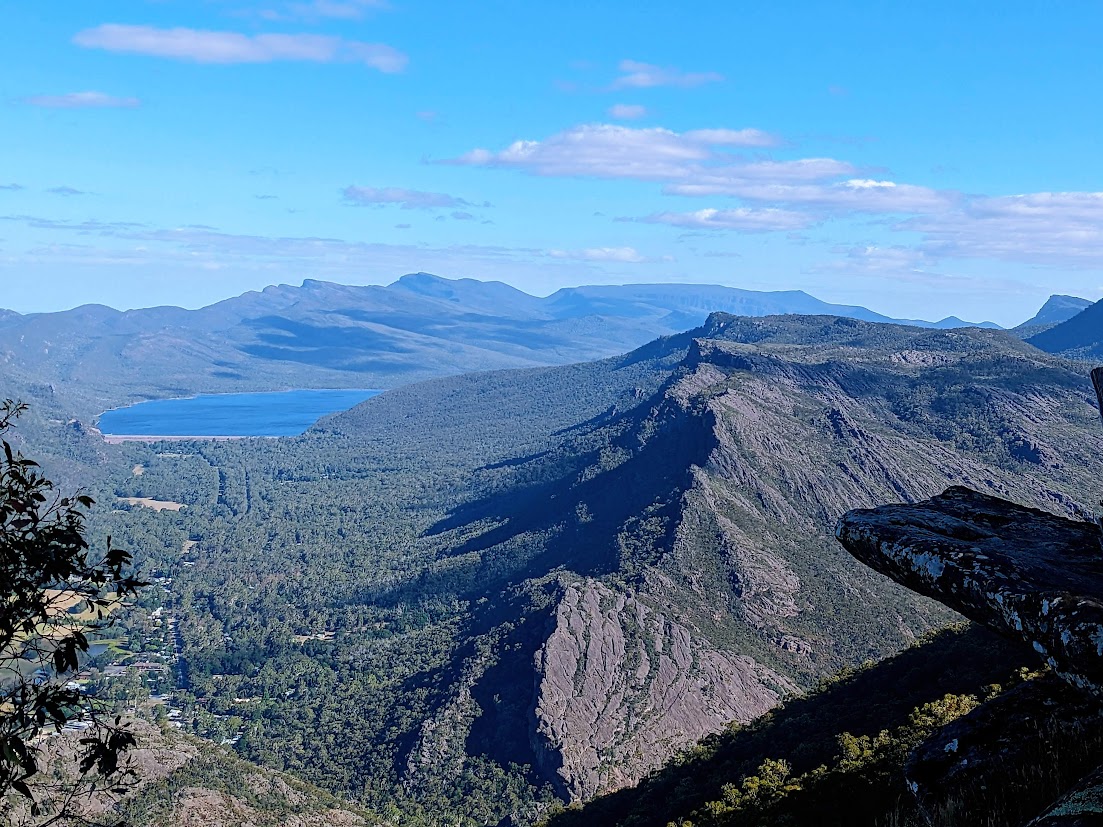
(1043, 733)
(177, 780)
(621, 687)
(1018, 570)
(1082, 807)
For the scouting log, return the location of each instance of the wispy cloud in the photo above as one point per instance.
(754, 138)
(193, 248)
(637, 75)
(406, 199)
(706, 163)
(83, 100)
(620, 255)
(12, 187)
(627, 111)
(65, 191)
(220, 47)
(779, 183)
(742, 219)
(327, 10)
(907, 265)
(614, 151)
(1048, 228)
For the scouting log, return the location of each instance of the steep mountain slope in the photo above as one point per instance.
(1081, 337)
(331, 335)
(1057, 309)
(705, 517)
(468, 595)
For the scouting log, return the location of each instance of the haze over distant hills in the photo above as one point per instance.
(330, 335)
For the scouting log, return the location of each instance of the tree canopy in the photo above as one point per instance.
(54, 593)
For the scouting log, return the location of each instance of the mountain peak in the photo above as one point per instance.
(1057, 309)
(1080, 336)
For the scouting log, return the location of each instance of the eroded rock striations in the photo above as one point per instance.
(1018, 570)
(618, 679)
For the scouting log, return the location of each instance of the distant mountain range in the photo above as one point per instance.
(330, 335)
(485, 592)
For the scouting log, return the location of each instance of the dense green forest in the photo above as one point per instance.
(363, 606)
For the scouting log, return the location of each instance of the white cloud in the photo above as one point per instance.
(1049, 228)
(83, 100)
(742, 219)
(614, 151)
(774, 185)
(204, 46)
(627, 111)
(620, 255)
(733, 137)
(637, 75)
(407, 199)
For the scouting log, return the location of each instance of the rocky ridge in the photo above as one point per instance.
(699, 524)
(1021, 571)
(1029, 575)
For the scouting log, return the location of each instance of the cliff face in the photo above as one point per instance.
(698, 578)
(1019, 571)
(1033, 577)
(621, 687)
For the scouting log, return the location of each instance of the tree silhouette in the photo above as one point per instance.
(48, 575)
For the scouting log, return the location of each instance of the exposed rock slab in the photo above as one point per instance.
(621, 687)
(1020, 571)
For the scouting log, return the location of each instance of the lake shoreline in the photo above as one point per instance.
(249, 414)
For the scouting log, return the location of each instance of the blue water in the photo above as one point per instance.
(283, 413)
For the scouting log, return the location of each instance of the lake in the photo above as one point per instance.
(281, 413)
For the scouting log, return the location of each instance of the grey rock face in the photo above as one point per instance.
(621, 687)
(1018, 570)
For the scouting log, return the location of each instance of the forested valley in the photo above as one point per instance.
(421, 605)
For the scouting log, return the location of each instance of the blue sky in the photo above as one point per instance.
(920, 159)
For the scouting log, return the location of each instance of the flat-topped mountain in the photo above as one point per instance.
(331, 335)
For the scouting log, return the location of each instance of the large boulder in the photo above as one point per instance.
(1020, 571)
